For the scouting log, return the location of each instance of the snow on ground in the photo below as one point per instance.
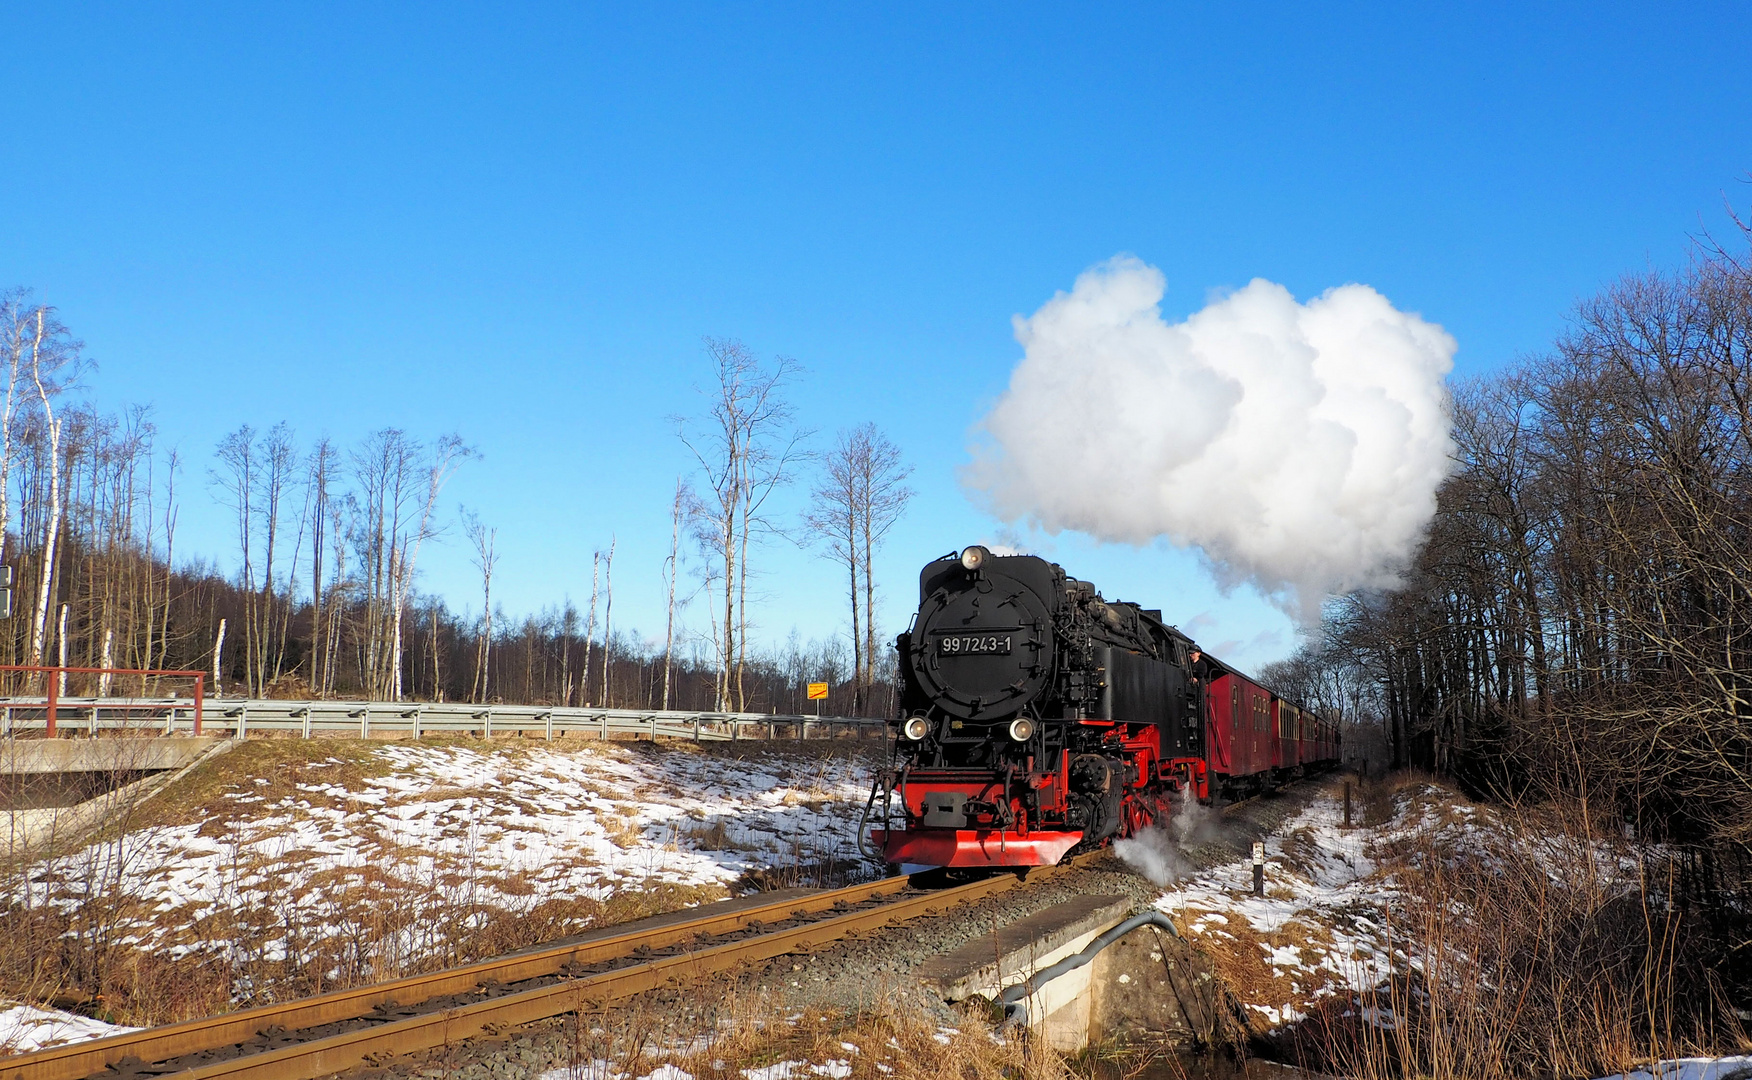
(1323, 925)
(24, 1028)
(837, 1069)
(1319, 927)
(476, 828)
(1722, 1068)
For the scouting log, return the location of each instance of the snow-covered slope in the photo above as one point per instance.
(265, 862)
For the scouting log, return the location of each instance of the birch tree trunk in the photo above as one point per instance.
(590, 624)
(608, 624)
(673, 565)
(218, 651)
(61, 652)
(105, 661)
(51, 536)
(23, 333)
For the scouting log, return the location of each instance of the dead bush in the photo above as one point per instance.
(1534, 948)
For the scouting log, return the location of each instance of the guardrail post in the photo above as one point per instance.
(307, 719)
(550, 726)
(243, 720)
(416, 725)
(489, 722)
(365, 721)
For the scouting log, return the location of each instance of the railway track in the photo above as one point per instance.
(316, 1036)
(325, 1034)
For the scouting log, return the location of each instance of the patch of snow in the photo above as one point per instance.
(565, 823)
(26, 1028)
(1719, 1068)
(589, 1070)
(1325, 889)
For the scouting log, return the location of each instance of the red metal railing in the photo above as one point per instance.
(200, 678)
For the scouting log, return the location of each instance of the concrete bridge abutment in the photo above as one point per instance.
(1146, 984)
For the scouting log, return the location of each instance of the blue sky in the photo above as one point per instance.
(517, 222)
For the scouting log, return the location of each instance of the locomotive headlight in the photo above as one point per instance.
(1021, 729)
(915, 728)
(974, 557)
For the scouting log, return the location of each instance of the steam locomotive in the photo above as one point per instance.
(1038, 720)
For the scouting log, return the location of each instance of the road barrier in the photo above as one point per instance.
(239, 717)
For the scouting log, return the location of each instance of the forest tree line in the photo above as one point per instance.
(327, 541)
(1580, 615)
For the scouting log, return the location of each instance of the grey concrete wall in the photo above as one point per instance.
(1151, 984)
(83, 755)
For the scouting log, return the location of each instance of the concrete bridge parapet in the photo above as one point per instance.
(1147, 983)
(20, 757)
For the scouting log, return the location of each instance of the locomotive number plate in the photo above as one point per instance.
(974, 644)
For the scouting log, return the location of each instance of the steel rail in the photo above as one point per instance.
(226, 1029)
(192, 1037)
(337, 1052)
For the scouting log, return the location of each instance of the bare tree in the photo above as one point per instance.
(590, 623)
(859, 496)
(21, 326)
(279, 465)
(484, 541)
(670, 567)
(157, 628)
(53, 357)
(568, 628)
(235, 477)
(607, 621)
(319, 482)
(399, 483)
(254, 477)
(745, 447)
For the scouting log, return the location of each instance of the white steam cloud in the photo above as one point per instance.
(1298, 446)
(1159, 852)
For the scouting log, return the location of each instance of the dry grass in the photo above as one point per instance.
(1239, 954)
(397, 910)
(371, 926)
(623, 829)
(279, 768)
(890, 1040)
(1536, 944)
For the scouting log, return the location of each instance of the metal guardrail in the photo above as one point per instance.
(83, 716)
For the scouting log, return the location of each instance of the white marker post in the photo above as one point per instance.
(1259, 869)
